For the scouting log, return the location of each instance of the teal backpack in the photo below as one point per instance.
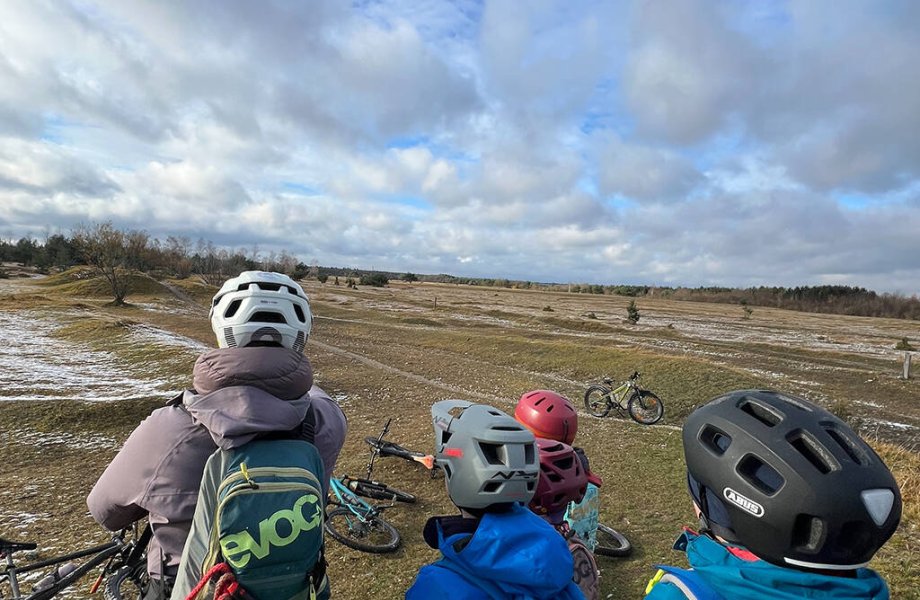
(269, 517)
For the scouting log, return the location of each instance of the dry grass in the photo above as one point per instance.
(390, 353)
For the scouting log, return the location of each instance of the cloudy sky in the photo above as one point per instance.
(670, 142)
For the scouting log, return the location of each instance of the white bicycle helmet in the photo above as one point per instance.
(488, 458)
(259, 307)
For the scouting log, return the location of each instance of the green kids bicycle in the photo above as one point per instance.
(642, 405)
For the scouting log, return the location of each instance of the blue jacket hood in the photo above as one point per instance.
(510, 555)
(734, 577)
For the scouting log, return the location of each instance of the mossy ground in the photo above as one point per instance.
(392, 352)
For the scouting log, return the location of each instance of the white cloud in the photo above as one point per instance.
(685, 141)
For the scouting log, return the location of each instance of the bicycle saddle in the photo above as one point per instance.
(8, 547)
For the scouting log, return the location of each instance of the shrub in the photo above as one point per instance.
(904, 344)
(374, 279)
(632, 312)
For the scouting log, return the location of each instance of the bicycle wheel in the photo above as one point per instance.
(586, 574)
(372, 535)
(379, 491)
(645, 407)
(611, 542)
(597, 400)
(126, 583)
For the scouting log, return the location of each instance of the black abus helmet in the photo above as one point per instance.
(798, 487)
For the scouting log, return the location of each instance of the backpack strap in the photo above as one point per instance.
(688, 581)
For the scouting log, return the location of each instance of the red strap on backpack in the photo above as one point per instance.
(227, 588)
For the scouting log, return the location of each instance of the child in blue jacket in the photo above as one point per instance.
(497, 548)
(792, 504)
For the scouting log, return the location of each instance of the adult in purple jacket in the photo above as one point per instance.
(257, 381)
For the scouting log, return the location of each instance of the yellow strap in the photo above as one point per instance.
(653, 581)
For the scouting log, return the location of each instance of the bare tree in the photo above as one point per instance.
(112, 253)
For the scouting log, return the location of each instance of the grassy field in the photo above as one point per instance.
(391, 352)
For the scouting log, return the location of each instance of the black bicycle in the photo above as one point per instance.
(642, 405)
(382, 447)
(122, 560)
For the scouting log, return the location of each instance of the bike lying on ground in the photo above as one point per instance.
(123, 574)
(642, 405)
(358, 524)
(371, 488)
(582, 520)
(382, 447)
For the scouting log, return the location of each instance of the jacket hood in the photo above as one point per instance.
(242, 392)
(735, 577)
(517, 552)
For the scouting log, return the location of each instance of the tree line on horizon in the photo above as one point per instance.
(114, 252)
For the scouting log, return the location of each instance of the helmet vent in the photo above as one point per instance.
(808, 533)
(847, 444)
(549, 408)
(760, 475)
(299, 312)
(505, 428)
(265, 316)
(813, 451)
(491, 452)
(564, 464)
(232, 308)
(228, 335)
(766, 415)
(491, 487)
(300, 342)
(530, 455)
(716, 441)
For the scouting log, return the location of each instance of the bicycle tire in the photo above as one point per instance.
(586, 575)
(597, 400)
(379, 491)
(125, 583)
(611, 542)
(346, 528)
(645, 407)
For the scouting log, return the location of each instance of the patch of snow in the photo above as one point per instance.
(20, 520)
(896, 425)
(148, 334)
(36, 366)
(80, 441)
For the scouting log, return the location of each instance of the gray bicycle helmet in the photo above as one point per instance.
(488, 458)
(789, 480)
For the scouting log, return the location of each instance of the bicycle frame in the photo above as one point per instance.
(375, 450)
(619, 394)
(99, 554)
(345, 497)
(382, 447)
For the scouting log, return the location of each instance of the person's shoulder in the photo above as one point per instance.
(323, 403)
(436, 581)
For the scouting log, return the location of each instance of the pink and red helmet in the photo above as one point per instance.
(548, 415)
(563, 478)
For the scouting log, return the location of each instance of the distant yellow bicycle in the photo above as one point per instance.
(642, 405)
